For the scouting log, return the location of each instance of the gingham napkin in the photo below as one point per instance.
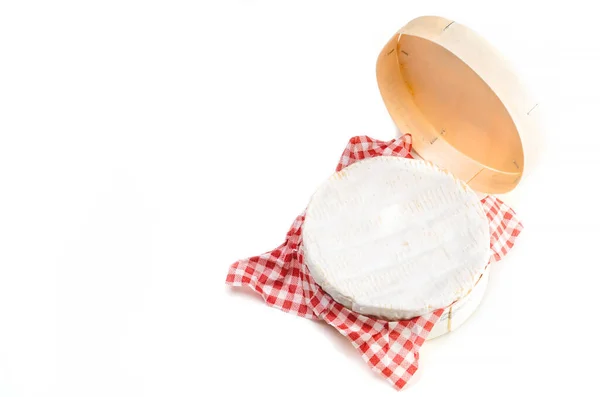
(390, 348)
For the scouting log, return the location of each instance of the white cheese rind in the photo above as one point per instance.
(459, 312)
(395, 238)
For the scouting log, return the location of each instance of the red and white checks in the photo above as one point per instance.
(391, 348)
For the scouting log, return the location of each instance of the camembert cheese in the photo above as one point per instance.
(395, 238)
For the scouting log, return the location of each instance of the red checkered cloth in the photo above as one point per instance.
(391, 348)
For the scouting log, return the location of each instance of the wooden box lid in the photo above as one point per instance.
(461, 101)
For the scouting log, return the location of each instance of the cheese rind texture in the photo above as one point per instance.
(395, 238)
(459, 312)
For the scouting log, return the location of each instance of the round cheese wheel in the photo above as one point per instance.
(395, 238)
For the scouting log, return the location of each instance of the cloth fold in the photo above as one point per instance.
(390, 348)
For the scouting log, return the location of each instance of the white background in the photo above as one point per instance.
(145, 146)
